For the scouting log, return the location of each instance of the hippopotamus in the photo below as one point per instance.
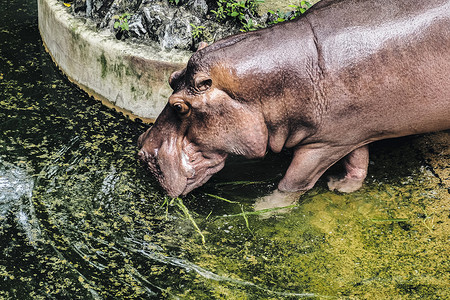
(343, 75)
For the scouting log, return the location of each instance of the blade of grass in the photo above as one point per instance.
(259, 212)
(167, 203)
(221, 198)
(242, 182)
(244, 215)
(185, 210)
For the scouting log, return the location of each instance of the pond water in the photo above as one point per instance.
(80, 218)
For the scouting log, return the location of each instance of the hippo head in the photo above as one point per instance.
(204, 120)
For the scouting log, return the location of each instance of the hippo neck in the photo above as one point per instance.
(284, 79)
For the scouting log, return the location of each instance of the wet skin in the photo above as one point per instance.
(346, 74)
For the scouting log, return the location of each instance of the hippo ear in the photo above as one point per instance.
(202, 82)
(202, 45)
(175, 78)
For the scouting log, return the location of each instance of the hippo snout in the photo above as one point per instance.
(142, 155)
(178, 167)
(141, 139)
(148, 145)
(149, 158)
(145, 156)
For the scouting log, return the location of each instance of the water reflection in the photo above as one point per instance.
(16, 188)
(14, 184)
(79, 217)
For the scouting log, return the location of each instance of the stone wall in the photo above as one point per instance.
(130, 77)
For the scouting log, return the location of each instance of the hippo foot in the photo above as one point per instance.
(355, 164)
(344, 184)
(277, 201)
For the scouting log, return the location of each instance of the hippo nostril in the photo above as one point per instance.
(148, 156)
(142, 155)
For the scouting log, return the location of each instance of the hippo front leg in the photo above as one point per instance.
(355, 164)
(308, 164)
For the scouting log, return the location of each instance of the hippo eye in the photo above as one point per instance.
(181, 107)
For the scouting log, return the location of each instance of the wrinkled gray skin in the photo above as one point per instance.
(344, 75)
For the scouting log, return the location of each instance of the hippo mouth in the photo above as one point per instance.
(200, 165)
(180, 172)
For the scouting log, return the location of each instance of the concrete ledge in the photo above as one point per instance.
(130, 77)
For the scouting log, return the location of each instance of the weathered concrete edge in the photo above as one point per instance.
(130, 77)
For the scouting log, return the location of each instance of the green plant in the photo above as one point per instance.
(279, 15)
(121, 22)
(249, 26)
(197, 31)
(301, 9)
(298, 11)
(241, 11)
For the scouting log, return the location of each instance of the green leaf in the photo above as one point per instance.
(116, 25)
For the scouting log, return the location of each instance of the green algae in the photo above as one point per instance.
(96, 225)
(118, 68)
(104, 64)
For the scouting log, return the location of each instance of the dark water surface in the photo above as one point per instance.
(80, 219)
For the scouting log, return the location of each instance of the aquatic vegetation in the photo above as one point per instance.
(79, 217)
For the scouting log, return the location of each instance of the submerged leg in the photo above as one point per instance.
(308, 164)
(355, 163)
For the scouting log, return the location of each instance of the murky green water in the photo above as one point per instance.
(79, 218)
